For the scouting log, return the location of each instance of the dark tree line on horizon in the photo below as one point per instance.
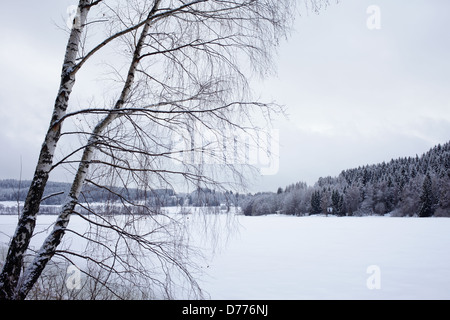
(410, 186)
(55, 192)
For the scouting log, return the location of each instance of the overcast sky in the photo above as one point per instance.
(355, 96)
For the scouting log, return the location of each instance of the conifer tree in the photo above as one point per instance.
(337, 202)
(426, 208)
(316, 202)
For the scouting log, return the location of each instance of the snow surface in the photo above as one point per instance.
(284, 257)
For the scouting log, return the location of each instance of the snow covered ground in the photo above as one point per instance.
(281, 257)
(285, 257)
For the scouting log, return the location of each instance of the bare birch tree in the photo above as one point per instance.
(180, 70)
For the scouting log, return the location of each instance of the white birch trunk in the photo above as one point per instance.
(235, 21)
(51, 243)
(19, 243)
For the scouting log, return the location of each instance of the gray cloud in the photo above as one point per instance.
(355, 96)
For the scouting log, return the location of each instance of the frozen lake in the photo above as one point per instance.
(281, 257)
(285, 257)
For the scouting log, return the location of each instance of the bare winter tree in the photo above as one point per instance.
(176, 100)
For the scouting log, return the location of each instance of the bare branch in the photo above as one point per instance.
(151, 18)
(51, 195)
(184, 71)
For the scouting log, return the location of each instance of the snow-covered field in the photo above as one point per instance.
(284, 257)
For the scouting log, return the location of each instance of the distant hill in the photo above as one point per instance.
(13, 190)
(412, 186)
(409, 186)
(55, 193)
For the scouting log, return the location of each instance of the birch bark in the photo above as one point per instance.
(19, 243)
(200, 44)
(51, 243)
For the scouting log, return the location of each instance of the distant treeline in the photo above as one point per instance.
(55, 193)
(413, 186)
(15, 190)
